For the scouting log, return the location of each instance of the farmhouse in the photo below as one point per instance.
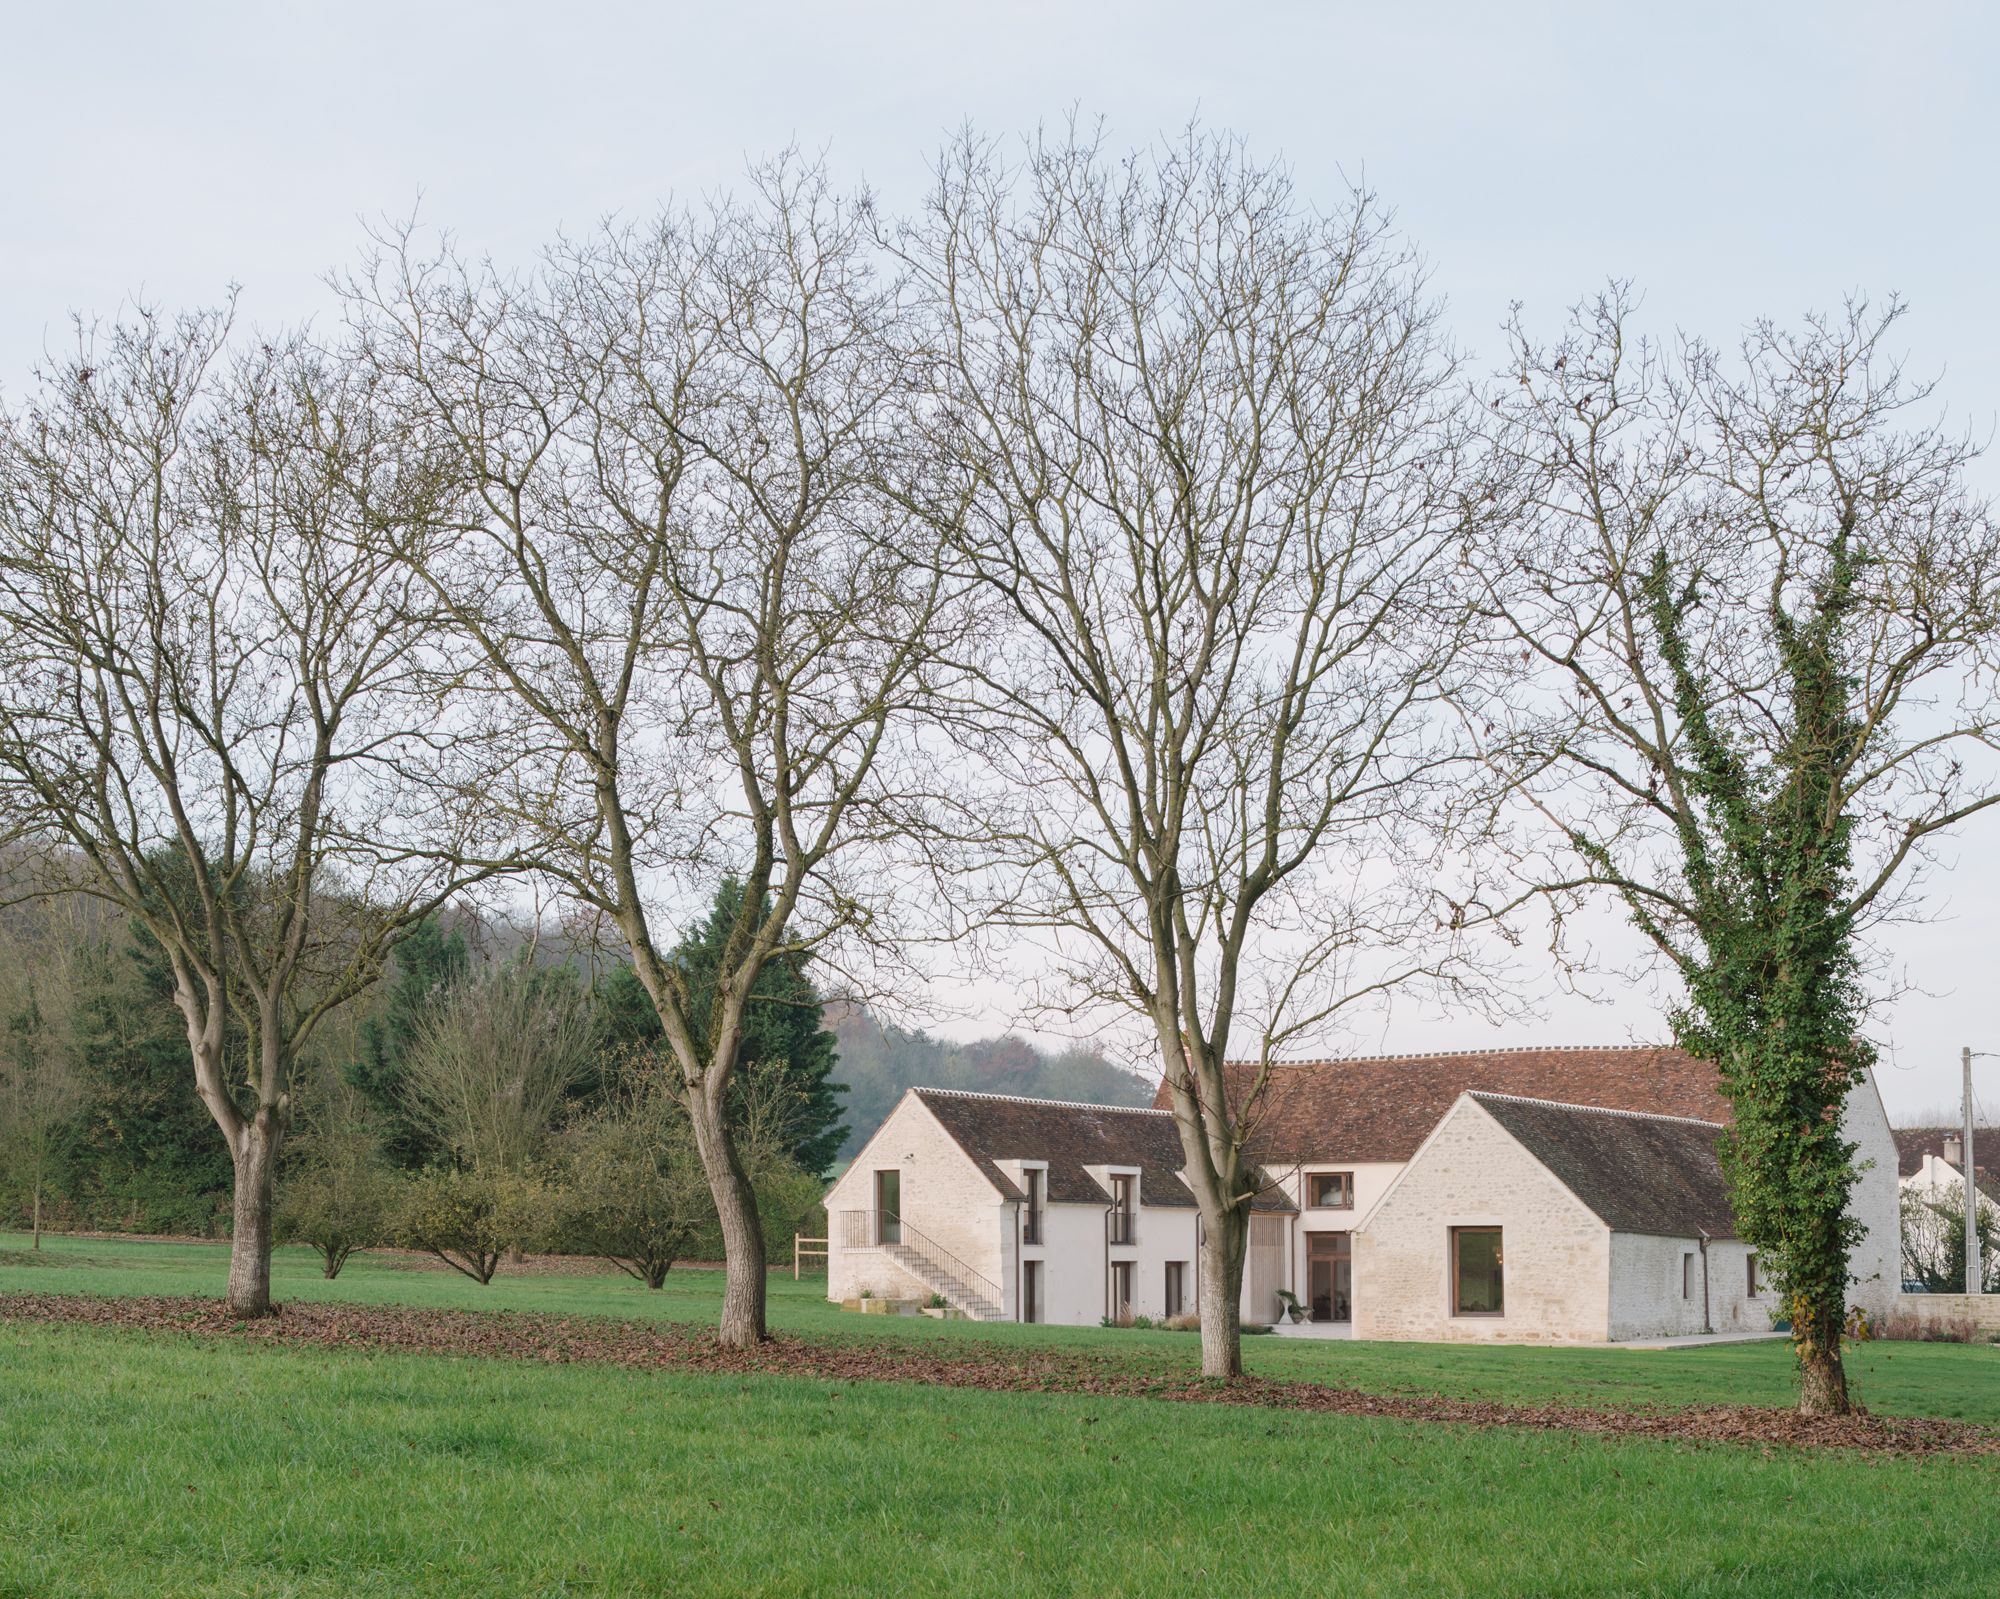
(1567, 1195)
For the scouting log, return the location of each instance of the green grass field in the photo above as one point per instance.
(134, 1465)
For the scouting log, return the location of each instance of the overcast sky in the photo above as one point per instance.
(1733, 165)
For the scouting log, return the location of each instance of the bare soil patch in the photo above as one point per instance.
(562, 1340)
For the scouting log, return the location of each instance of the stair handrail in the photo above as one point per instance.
(927, 1248)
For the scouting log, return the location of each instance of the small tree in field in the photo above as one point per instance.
(41, 1089)
(471, 1219)
(337, 1191)
(1765, 598)
(633, 1190)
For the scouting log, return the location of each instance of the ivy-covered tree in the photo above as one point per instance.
(1767, 599)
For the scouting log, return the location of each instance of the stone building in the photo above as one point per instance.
(1514, 1195)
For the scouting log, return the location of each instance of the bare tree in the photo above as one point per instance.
(1763, 598)
(211, 704)
(694, 608)
(1199, 451)
(492, 1066)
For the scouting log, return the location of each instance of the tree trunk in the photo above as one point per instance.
(1822, 1376)
(1223, 1243)
(742, 1325)
(256, 1161)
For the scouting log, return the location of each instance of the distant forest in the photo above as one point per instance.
(877, 1063)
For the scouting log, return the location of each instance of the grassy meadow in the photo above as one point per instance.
(151, 1465)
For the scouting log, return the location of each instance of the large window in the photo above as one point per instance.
(1476, 1272)
(1687, 1274)
(1124, 1229)
(1330, 1190)
(1031, 1290)
(1750, 1281)
(1121, 1288)
(1176, 1287)
(1031, 1226)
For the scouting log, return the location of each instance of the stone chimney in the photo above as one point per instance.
(1954, 1150)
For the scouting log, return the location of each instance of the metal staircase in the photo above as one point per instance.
(926, 1260)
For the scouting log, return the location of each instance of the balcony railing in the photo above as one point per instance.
(1031, 1226)
(1123, 1226)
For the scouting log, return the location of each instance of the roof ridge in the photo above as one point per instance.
(1598, 1110)
(1456, 1054)
(1029, 1099)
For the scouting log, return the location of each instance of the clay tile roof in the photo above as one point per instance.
(1382, 1108)
(1638, 1173)
(996, 1127)
(1913, 1143)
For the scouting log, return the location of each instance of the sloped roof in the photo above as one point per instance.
(1381, 1108)
(1639, 1174)
(994, 1127)
(1913, 1143)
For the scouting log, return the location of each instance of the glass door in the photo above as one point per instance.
(1330, 1276)
(888, 1207)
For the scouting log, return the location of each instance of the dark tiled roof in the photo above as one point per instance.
(996, 1127)
(1382, 1108)
(1913, 1143)
(1640, 1174)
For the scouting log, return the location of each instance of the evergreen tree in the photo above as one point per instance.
(783, 1023)
(143, 1153)
(428, 961)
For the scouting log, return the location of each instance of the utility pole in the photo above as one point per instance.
(1973, 1281)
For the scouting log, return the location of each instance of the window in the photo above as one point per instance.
(1687, 1275)
(1031, 1290)
(1176, 1300)
(1331, 1190)
(1121, 1287)
(1751, 1285)
(1123, 1228)
(1475, 1272)
(1031, 1227)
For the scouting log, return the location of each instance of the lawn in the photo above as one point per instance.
(1892, 1379)
(137, 1465)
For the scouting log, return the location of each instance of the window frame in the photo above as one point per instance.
(1500, 1266)
(1344, 1178)
(1753, 1286)
(1031, 1293)
(1687, 1274)
(1174, 1297)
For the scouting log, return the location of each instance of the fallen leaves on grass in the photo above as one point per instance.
(520, 1335)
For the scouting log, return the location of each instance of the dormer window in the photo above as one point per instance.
(1123, 1221)
(1330, 1190)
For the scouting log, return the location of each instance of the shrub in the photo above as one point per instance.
(632, 1190)
(471, 1219)
(337, 1203)
(1187, 1323)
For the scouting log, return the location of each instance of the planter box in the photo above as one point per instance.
(876, 1307)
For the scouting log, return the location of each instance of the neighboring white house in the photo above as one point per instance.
(1482, 1194)
(1931, 1163)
